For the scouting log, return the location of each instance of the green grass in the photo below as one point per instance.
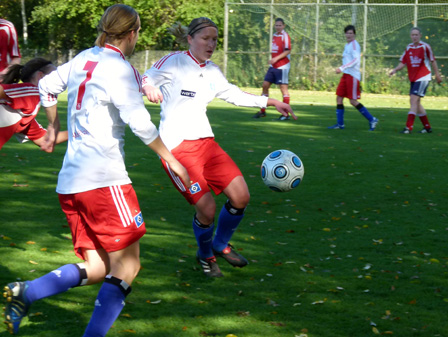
(359, 245)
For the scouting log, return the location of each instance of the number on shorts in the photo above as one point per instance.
(89, 67)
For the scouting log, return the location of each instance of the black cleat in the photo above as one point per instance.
(259, 114)
(232, 257)
(209, 266)
(429, 130)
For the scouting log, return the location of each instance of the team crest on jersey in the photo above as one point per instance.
(195, 188)
(138, 219)
(187, 93)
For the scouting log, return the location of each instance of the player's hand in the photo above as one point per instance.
(285, 109)
(438, 79)
(338, 71)
(154, 94)
(181, 172)
(49, 140)
(393, 71)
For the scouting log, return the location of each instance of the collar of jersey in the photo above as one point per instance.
(116, 49)
(195, 60)
(278, 34)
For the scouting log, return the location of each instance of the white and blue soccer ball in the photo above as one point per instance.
(282, 170)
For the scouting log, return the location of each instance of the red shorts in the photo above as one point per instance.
(348, 87)
(33, 130)
(208, 165)
(108, 218)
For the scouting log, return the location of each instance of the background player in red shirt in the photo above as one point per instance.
(9, 46)
(280, 64)
(20, 102)
(418, 57)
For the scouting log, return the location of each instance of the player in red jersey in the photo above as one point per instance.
(280, 64)
(20, 102)
(9, 46)
(418, 58)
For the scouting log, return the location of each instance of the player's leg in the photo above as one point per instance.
(419, 89)
(414, 103)
(424, 119)
(285, 94)
(193, 155)
(341, 92)
(230, 217)
(363, 111)
(265, 92)
(124, 267)
(268, 80)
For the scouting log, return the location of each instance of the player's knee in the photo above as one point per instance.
(241, 201)
(354, 102)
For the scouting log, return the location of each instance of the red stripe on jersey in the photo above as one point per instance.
(138, 78)
(109, 46)
(160, 62)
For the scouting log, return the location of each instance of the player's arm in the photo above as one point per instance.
(397, 68)
(279, 57)
(53, 127)
(436, 71)
(159, 147)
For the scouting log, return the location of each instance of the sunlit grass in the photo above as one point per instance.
(358, 248)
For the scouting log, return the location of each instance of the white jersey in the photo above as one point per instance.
(351, 60)
(188, 87)
(104, 94)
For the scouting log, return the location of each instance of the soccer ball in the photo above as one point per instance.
(282, 170)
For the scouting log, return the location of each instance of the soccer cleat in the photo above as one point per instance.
(337, 127)
(373, 123)
(283, 118)
(259, 114)
(231, 256)
(209, 266)
(16, 305)
(406, 130)
(429, 130)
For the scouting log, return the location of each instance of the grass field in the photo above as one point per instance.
(358, 249)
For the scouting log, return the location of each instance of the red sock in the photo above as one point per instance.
(410, 121)
(425, 121)
(286, 99)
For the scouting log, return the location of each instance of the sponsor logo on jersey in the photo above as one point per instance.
(138, 219)
(187, 93)
(415, 60)
(195, 188)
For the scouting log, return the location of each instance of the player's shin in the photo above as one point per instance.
(229, 219)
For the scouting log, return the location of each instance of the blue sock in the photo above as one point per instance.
(204, 237)
(363, 110)
(108, 305)
(56, 282)
(229, 219)
(340, 114)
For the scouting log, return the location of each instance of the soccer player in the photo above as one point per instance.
(95, 192)
(349, 84)
(280, 64)
(185, 82)
(418, 58)
(9, 46)
(20, 102)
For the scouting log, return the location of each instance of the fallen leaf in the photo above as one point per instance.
(126, 315)
(32, 262)
(30, 242)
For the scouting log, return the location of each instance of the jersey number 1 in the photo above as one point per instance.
(89, 67)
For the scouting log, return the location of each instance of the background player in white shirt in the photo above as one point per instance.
(20, 102)
(95, 192)
(418, 57)
(188, 81)
(280, 65)
(349, 86)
